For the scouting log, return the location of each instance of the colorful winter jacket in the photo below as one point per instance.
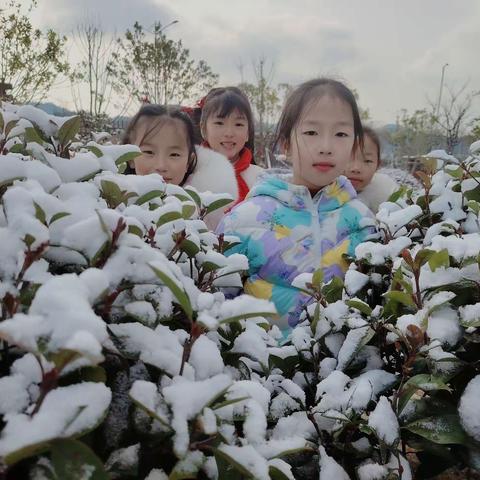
(284, 232)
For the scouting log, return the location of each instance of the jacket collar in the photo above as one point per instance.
(276, 183)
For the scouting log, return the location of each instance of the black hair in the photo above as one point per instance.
(162, 112)
(373, 136)
(223, 101)
(302, 95)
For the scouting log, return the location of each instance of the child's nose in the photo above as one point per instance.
(325, 146)
(354, 167)
(161, 165)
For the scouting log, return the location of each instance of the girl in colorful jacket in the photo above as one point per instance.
(296, 222)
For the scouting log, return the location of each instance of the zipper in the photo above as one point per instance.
(316, 233)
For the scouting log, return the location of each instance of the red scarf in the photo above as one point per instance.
(240, 166)
(243, 162)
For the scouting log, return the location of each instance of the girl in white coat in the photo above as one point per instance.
(165, 135)
(227, 127)
(373, 188)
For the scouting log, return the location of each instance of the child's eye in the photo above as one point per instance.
(174, 154)
(239, 124)
(310, 132)
(218, 122)
(147, 152)
(341, 134)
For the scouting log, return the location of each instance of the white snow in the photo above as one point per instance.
(205, 358)
(329, 468)
(468, 408)
(65, 411)
(355, 281)
(384, 421)
(248, 457)
(187, 399)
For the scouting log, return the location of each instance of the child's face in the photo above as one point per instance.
(164, 150)
(321, 143)
(226, 135)
(363, 165)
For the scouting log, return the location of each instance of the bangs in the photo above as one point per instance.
(225, 104)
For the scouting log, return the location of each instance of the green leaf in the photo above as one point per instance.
(58, 216)
(455, 172)
(316, 318)
(178, 293)
(68, 130)
(189, 247)
(17, 148)
(222, 202)
(9, 126)
(89, 176)
(473, 194)
(423, 256)
(32, 135)
(71, 459)
(149, 196)
(28, 240)
(400, 297)
(195, 197)
(243, 316)
(168, 217)
(359, 305)
(317, 278)
(95, 150)
(112, 193)
(239, 468)
(445, 429)
(425, 382)
(439, 259)
(100, 252)
(126, 157)
(184, 470)
(188, 211)
(135, 230)
(276, 474)
(395, 196)
(39, 213)
(474, 206)
(209, 267)
(332, 291)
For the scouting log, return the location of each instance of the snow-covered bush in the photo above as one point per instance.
(120, 356)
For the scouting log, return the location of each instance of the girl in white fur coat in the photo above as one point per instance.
(165, 136)
(373, 188)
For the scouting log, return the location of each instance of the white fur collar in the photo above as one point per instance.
(377, 191)
(213, 173)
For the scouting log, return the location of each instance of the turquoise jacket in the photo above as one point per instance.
(284, 232)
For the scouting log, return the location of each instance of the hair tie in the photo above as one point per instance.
(187, 110)
(201, 102)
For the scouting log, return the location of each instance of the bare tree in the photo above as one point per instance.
(265, 100)
(94, 73)
(454, 114)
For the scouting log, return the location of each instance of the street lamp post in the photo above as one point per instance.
(157, 35)
(441, 88)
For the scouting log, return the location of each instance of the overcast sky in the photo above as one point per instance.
(390, 51)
